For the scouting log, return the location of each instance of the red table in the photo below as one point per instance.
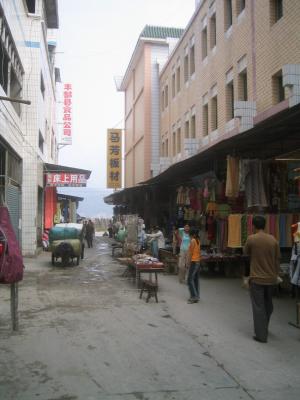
(150, 268)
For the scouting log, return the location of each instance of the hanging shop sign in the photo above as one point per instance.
(65, 179)
(67, 115)
(114, 158)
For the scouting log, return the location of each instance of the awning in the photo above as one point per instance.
(271, 138)
(63, 168)
(62, 197)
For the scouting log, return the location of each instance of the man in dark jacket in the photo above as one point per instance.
(89, 233)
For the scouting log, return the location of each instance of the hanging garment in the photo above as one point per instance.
(244, 233)
(249, 225)
(211, 228)
(234, 230)
(180, 196)
(254, 184)
(295, 265)
(289, 223)
(232, 177)
(272, 224)
(282, 230)
(11, 261)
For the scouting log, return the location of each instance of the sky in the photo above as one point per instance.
(95, 42)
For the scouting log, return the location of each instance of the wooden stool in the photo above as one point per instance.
(151, 288)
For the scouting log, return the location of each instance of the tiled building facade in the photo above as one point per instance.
(28, 133)
(142, 112)
(237, 63)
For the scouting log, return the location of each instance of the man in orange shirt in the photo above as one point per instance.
(195, 257)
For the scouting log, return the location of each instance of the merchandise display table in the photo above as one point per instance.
(226, 262)
(149, 268)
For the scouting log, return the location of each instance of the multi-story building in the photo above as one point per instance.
(141, 87)
(28, 134)
(237, 63)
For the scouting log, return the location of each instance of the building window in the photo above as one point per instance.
(178, 140)
(192, 59)
(213, 31)
(278, 88)
(15, 91)
(193, 127)
(42, 86)
(4, 60)
(174, 143)
(163, 149)
(162, 101)
(173, 85)
(178, 79)
(30, 6)
(227, 14)
(204, 43)
(186, 67)
(240, 6)
(167, 148)
(276, 10)
(214, 113)
(187, 129)
(166, 96)
(41, 142)
(205, 119)
(229, 101)
(243, 86)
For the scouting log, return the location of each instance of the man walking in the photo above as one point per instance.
(264, 253)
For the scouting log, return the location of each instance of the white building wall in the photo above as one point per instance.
(22, 132)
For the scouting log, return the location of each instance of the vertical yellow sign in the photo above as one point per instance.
(114, 158)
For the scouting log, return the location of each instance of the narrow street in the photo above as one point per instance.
(85, 334)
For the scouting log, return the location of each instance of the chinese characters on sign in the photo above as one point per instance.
(114, 158)
(65, 179)
(67, 115)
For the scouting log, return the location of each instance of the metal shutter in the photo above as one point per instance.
(13, 203)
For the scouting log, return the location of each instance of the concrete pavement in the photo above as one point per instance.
(85, 334)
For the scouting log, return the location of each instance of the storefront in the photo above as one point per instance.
(61, 207)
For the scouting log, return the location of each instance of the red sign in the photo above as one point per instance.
(67, 115)
(65, 179)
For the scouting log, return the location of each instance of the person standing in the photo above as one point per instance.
(264, 253)
(89, 233)
(157, 241)
(183, 262)
(194, 269)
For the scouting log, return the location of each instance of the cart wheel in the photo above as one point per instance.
(52, 259)
(77, 260)
(82, 252)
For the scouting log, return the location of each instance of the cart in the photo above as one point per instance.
(66, 242)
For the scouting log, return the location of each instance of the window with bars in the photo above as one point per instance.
(240, 6)
(204, 43)
(205, 119)
(213, 31)
(187, 129)
(229, 101)
(227, 14)
(162, 102)
(41, 142)
(243, 85)
(193, 127)
(174, 143)
(178, 79)
(214, 113)
(173, 85)
(192, 59)
(178, 140)
(167, 148)
(166, 96)
(186, 67)
(31, 5)
(276, 10)
(277, 88)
